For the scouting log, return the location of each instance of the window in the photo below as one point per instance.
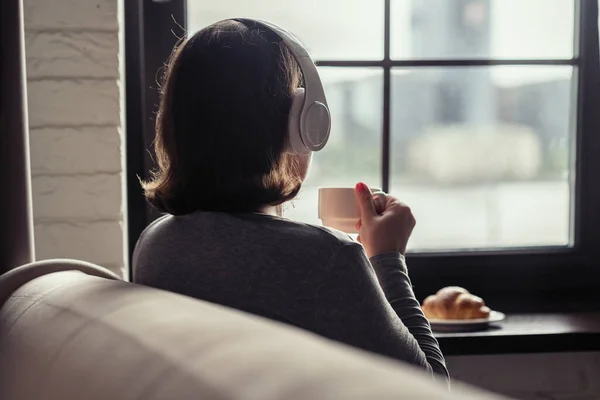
(480, 152)
(477, 113)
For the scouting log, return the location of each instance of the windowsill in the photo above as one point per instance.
(528, 333)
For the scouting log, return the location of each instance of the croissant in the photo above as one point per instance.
(454, 302)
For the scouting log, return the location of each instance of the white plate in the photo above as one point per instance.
(461, 325)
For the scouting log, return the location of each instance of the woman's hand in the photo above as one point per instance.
(384, 227)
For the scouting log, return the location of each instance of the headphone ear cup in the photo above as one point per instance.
(294, 134)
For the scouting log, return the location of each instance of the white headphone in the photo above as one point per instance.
(310, 120)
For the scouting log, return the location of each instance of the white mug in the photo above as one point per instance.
(338, 208)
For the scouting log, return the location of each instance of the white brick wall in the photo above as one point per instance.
(75, 122)
(564, 376)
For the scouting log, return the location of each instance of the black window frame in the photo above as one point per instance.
(536, 279)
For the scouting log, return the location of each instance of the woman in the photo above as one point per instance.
(225, 169)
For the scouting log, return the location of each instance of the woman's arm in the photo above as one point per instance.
(392, 275)
(351, 307)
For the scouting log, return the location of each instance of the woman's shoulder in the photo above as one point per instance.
(167, 220)
(329, 234)
(155, 225)
(251, 230)
(149, 232)
(317, 240)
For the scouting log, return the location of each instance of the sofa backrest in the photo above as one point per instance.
(73, 335)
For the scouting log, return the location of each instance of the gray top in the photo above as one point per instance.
(308, 276)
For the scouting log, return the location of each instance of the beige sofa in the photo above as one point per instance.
(73, 330)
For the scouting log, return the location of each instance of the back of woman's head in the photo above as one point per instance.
(221, 130)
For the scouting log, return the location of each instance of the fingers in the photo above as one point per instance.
(399, 208)
(379, 205)
(364, 198)
(358, 225)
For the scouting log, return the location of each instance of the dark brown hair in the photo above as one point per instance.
(221, 129)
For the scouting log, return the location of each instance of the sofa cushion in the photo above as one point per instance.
(71, 335)
(15, 278)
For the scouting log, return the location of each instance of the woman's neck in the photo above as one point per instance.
(276, 211)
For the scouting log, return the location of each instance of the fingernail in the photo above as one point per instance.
(361, 187)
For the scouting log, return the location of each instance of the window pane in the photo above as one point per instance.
(482, 154)
(330, 29)
(353, 152)
(521, 29)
